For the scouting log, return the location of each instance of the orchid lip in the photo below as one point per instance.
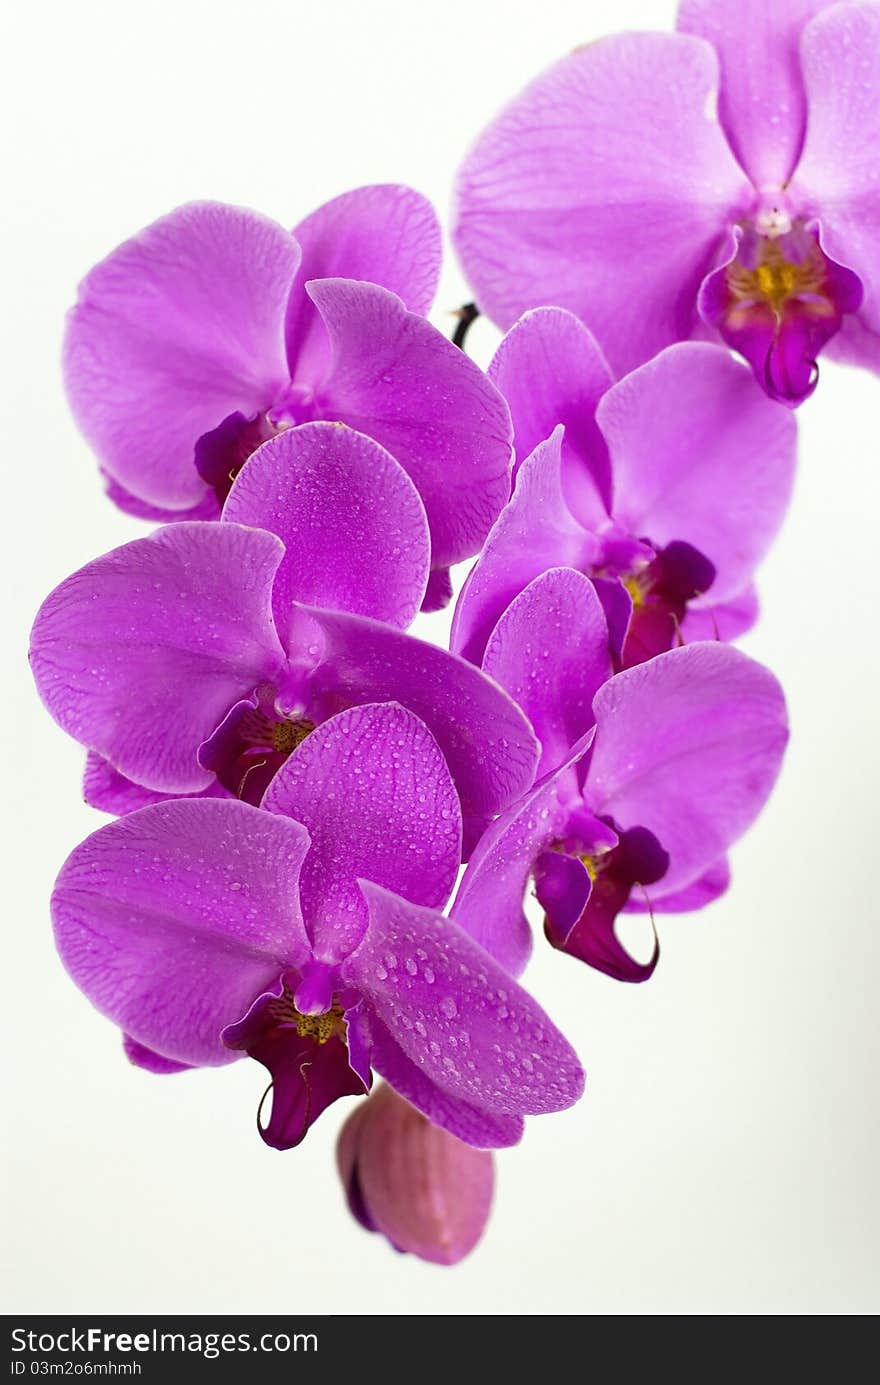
(252, 742)
(306, 1052)
(779, 299)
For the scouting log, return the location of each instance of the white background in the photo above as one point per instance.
(724, 1159)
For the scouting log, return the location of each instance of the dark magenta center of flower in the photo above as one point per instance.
(251, 745)
(660, 592)
(306, 1055)
(582, 894)
(221, 453)
(778, 301)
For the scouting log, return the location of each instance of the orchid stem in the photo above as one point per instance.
(468, 313)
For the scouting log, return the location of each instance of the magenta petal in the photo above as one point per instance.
(176, 329)
(706, 890)
(173, 919)
(551, 370)
(688, 747)
(550, 651)
(484, 737)
(206, 508)
(726, 620)
(109, 791)
(375, 795)
(475, 1126)
(353, 527)
(603, 188)
(438, 592)
(838, 176)
(762, 104)
(398, 379)
(699, 455)
(426, 1191)
(489, 902)
(141, 653)
(384, 234)
(142, 1057)
(456, 1013)
(535, 531)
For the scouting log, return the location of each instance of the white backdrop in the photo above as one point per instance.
(724, 1157)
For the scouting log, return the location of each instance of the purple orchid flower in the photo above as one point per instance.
(308, 936)
(673, 762)
(726, 177)
(215, 328)
(425, 1190)
(196, 660)
(667, 488)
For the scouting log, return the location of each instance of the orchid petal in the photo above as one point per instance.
(487, 743)
(398, 379)
(839, 172)
(109, 791)
(550, 651)
(761, 104)
(688, 746)
(551, 370)
(489, 902)
(535, 531)
(375, 795)
(141, 653)
(353, 527)
(178, 328)
(455, 1012)
(477, 1127)
(173, 919)
(603, 188)
(700, 456)
(709, 887)
(384, 234)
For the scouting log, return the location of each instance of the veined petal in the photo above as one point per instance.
(726, 620)
(551, 370)
(486, 741)
(142, 1057)
(398, 379)
(476, 1126)
(451, 1009)
(839, 172)
(174, 919)
(550, 651)
(603, 188)
(207, 508)
(688, 746)
(384, 234)
(700, 456)
(178, 328)
(142, 652)
(109, 791)
(710, 886)
(535, 531)
(374, 792)
(353, 527)
(762, 104)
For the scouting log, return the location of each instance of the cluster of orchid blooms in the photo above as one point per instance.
(296, 781)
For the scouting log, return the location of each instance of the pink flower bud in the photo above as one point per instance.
(425, 1190)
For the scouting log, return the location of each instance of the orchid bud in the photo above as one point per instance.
(422, 1188)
